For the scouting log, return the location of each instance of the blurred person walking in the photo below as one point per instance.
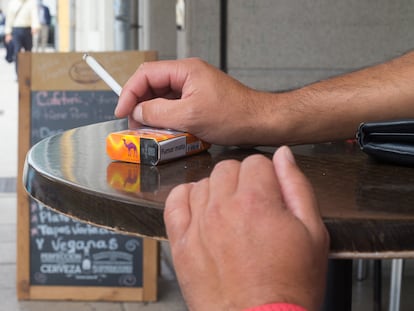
(41, 37)
(22, 21)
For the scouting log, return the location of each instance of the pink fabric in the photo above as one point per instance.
(277, 307)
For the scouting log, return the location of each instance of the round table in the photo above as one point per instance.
(368, 207)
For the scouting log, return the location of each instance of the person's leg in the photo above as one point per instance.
(36, 41)
(17, 35)
(22, 38)
(44, 36)
(27, 40)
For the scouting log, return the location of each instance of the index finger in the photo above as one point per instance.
(151, 79)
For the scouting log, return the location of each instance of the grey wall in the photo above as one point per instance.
(201, 36)
(281, 44)
(157, 27)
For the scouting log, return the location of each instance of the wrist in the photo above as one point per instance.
(275, 118)
(306, 116)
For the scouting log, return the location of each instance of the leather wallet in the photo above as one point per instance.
(390, 141)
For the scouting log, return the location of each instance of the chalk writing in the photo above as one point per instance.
(56, 98)
(56, 111)
(66, 252)
(50, 217)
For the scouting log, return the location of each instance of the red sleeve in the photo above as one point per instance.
(277, 307)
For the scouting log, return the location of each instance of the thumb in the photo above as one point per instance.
(296, 190)
(177, 212)
(160, 112)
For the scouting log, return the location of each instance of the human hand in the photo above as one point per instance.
(8, 38)
(193, 96)
(248, 235)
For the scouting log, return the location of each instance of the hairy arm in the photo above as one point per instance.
(193, 96)
(332, 109)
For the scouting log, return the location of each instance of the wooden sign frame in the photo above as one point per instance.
(32, 77)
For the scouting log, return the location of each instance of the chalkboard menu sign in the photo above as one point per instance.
(53, 112)
(67, 252)
(61, 258)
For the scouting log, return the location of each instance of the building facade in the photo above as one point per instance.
(267, 44)
(113, 25)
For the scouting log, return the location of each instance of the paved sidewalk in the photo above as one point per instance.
(8, 118)
(169, 296)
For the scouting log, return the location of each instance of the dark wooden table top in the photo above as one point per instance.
(368, 207)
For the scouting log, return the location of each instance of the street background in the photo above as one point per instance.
(169, 296)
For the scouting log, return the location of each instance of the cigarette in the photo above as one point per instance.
(102, 73)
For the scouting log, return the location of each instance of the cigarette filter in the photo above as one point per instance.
(152, 146)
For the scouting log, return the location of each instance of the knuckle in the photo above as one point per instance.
(226, 164)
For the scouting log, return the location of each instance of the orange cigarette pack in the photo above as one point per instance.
(152, 146)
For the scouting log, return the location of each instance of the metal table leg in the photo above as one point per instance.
(395, 286)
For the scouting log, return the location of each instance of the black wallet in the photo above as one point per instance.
(390, 141)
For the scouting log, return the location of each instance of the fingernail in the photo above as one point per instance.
(116, 111)
(138, 114)
(288, 154)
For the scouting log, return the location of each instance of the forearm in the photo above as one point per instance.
(332, 109)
